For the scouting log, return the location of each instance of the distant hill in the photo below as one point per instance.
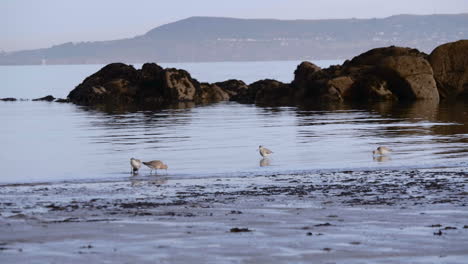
(199, 39)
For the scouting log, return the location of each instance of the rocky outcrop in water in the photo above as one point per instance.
(382, 74)
(118, 83)
(48, 98)
(391, 73)
(8, 99)
(450, 65)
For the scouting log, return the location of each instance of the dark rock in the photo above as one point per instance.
(212, 93)
(121, 84)
(381, 74)
(114, 83)
(450, 228)
(179, 86)
(61, 100)
(450, 65)
(8, 99)
(238, 230)
(325, 224)
(271, 92)
(236, 89)
(48, 98)
(371, 88)
(305, 73)
(314, 84)
(390, 73)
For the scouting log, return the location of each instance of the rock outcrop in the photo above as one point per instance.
(118, 83)
(237, 90)
(270, 92)
(404, 72)
(450, 65)
(62, 100)
(382, 74)
(390, 73)
(8, 99)
(48, 98)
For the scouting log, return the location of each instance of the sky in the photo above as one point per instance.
(30, 24)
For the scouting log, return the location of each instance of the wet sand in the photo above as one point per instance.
(386, 216)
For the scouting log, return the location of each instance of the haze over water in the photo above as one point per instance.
(53, 142)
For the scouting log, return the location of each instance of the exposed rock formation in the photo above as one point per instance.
(270, 92)
(118, 83)
(236, 89)
(390, 73)
(380, 74)
(48, 98)
(450, 65)
(213, 93)
(62, 100)
(8, 99)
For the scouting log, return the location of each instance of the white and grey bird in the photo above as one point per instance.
(381, 151)
(155, 165)
(264, 152)
(135, 165)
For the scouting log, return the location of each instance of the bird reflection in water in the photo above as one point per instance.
(382, 158)
(140, 182)
(264, 162)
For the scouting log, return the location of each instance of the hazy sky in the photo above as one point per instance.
(27, 24)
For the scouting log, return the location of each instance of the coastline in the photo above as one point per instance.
(378, 216)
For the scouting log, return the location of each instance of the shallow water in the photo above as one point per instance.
(43, 141)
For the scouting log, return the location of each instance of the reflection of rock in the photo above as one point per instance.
(450, 65)
(423, 109)
(382, 158)
(420, 109)
(264, 162)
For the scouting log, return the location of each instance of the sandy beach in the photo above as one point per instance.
(383, 216)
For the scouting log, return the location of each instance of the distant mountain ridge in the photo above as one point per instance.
(204, 39)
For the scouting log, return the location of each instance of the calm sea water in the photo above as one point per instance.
(43, 141)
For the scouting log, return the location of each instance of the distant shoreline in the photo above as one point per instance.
(214, 39)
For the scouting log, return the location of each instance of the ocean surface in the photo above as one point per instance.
(41, 141)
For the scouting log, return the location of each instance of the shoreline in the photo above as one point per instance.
(146, 176)
(381, 216)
